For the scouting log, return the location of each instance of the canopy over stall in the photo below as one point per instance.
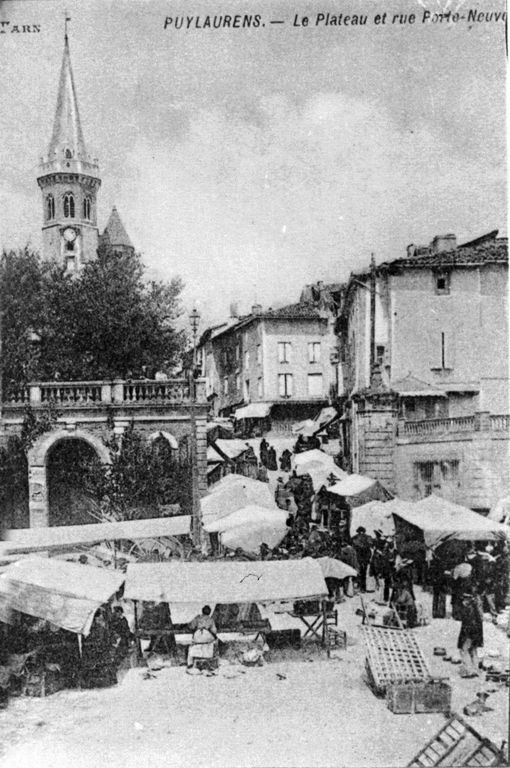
(250, 527)
(253, 411)
(66, 594)
(65, 536)
(224, 582)
(377, 515)
(335, 569)
(441, 520)
(310, 427)
(357, 490)
(234, 492)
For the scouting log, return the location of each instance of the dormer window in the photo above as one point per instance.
(69, 205)
(442, 283)
(50, 207)
(87, 208)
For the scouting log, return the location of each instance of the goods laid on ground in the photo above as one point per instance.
(457, 744)
(393, 656)
(432, 695)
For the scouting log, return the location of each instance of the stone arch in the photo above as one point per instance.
(38, 502)
(171, 439)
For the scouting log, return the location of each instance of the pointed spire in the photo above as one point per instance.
(115, 237)
(67, 136)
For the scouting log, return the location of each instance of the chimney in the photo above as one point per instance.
(443, 243)
(256, 309)
(411, 250)
(234, 310)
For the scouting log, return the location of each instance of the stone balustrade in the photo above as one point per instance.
(73, 394)
(478, 422)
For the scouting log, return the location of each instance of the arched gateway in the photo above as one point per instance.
(38, 469)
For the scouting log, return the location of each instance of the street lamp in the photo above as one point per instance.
(196, 523)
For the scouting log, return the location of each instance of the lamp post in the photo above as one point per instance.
(196, 523)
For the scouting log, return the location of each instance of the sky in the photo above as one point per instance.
(251, 162)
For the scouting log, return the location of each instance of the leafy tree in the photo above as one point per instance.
(141, 478)
(107, 322)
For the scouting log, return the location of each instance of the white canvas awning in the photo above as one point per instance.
(223, 582)
(66, 594)
(441, 520)
(375, 515)
(250, 527)
(234, 492)
(351, 485)
(335, 569)
(231, 448)
(65, 536)
(253, 411)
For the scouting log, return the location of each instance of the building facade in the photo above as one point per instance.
(424, 370)
(278, 357)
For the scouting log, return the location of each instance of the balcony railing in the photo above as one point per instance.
(479, 422)
(437, 426)
(90, 394)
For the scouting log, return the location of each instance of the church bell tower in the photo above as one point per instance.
(69, 181)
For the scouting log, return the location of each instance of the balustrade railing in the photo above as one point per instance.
(439, 426)
(500, 422)
(66, 394)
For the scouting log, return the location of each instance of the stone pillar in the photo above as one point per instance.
(377, 419)
(38, 505)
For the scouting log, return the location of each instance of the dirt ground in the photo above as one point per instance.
(298, 710)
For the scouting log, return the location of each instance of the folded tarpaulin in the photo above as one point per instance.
(441, 520)
(335, 569)
(253, 411)
(63, 536)
(223, 582)
(66, 594)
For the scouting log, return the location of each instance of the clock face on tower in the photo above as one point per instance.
(69, 235)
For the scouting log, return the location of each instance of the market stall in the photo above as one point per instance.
(254, 419)
(250, 527)
(65, 594)
(436, 520)
(334, 503)
(186, 587)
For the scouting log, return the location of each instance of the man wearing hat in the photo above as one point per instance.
(363, 546)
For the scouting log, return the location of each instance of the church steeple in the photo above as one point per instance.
(115, 238)
(67, 138)
(69, 181)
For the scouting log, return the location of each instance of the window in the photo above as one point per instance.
(314, 352)
(284, 349)
(246, 359)
(315, 384)
(87, 208)
(259, 354)
(442, 281)
(225, 386)
(285, 384)
(379, 354)
(247, 389)
(437, 476)
(238, 383)
(260, 388)
(69, 205)
(50, 207)
(69, 154)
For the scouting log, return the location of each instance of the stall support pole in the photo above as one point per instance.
(325, 632)
(138, 643)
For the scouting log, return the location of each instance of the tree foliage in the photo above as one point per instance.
(107, 322)
(141, 478)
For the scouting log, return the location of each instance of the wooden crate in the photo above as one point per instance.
(433, 696)
(418, 697)
(457, 744)
(393, 656)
